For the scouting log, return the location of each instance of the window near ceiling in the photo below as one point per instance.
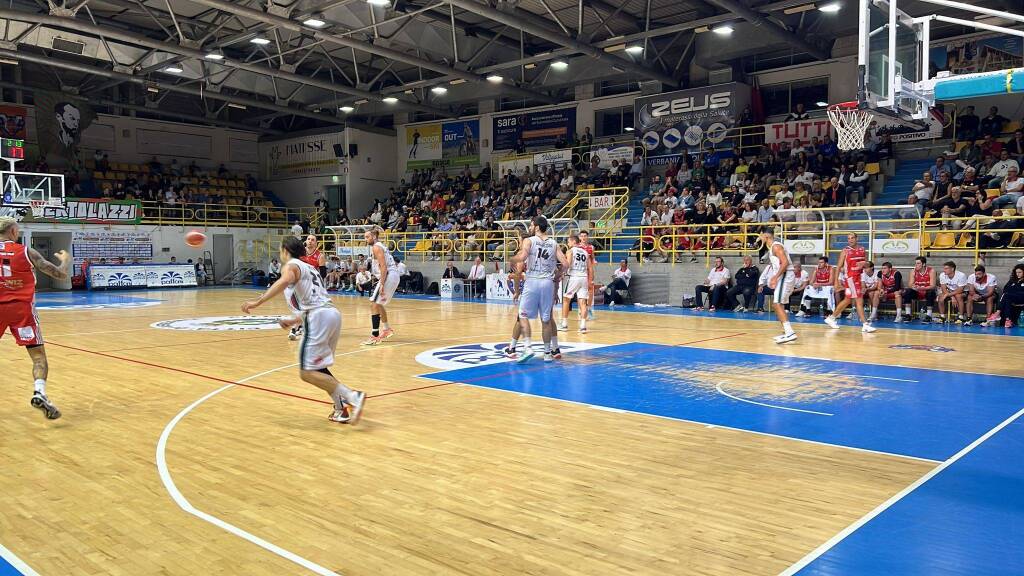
(613, 121)
(512, 104)
(613, 87)
(781, 98)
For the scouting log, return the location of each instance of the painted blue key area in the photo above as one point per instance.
(934, 417)
(8, 570)
(968, 519)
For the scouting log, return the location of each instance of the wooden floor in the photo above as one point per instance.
(435, 480)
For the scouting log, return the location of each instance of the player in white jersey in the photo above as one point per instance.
(542, 256)
(321, 321)
(385, 272)
(577, 283)
(781, 280)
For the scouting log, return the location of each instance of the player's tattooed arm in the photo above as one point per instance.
(52, 270)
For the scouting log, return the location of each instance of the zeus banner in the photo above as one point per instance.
(688, 120)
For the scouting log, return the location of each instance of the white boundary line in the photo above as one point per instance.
(18, 563)
(184, 504)
(724, 393)
(814, 554)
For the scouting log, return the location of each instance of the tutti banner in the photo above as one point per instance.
(60, 121)
(687, 120)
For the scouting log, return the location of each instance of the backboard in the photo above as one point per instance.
(892, 60)
(20, 189)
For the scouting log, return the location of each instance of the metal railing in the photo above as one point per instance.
(233, 215)
(608, 211)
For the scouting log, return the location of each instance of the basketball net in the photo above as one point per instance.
(851, 124)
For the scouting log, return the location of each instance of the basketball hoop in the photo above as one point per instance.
(851, 123)
(38, 207)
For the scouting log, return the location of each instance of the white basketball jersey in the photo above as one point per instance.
(389, 261)
(541, 260)
(869, 281)
(774, 264)
(578, 260)
(308, 293)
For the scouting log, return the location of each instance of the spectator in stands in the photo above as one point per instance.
(991, 147)
(364, 280)
(636, 171)
(320, 203)
(715, 286)
(952, 284)
(939, 167)
(520, 147)
(155, 167)
(923, 191)
(587, 139)
(997, 233)
(981, 287)
(620, 281)
(968, 157)
(222, 171)
(953, 205)
(992, 125)
(1001, 168)
(856, 184)
(967, 125)
(798, 113)
(1011, 302)
(746, 284)
(1015, 146)
(1010, 189)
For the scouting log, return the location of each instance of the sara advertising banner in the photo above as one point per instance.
(316, 155)
(93, 211)
(671, 123)
(461, 145)
(12, 121)
(536, 128)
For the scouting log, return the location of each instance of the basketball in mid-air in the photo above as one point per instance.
(195, 238)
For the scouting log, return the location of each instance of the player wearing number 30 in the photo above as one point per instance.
(578, 283)
(781, 280)
(542, 256)
(321, 322)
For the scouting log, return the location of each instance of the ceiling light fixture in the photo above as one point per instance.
(389, 100)
(152, 89)
(346, 109)
(635, 49)
(831, 7)
(260, 41)
(363, 101)
(215, 56)
(173, 69)
(439, 90)
(559, 64)
(457, 81)
(628, 128)
(379, 2)
(315, 21)
(723, 29)
(495, 79)
(237, 106)
(821, 104)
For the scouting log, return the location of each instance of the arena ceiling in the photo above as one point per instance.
(280, 66)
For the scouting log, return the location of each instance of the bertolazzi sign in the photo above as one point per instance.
(93, 211)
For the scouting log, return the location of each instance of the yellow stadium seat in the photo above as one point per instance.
(944, 240)
(960, 146)
(97, 176)
(992, 192)
(1009, 211)
(872, 168)
(775, 188)
(421, 246)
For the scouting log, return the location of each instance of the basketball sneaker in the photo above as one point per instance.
(590, 314)
(868, 329)
(548, 357)
(969, 322)
(340, 416)
(926, 319)
(372, 341)
(40, 401)
(783, 338)
(557, 353)
(563, 325)
(526, 356)
(831, 321)
(509, 352)
(295, 333)
(386, 334)
(801, 314)
(583, 330)
(356, 408)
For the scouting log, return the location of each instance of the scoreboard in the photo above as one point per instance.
(12, 149)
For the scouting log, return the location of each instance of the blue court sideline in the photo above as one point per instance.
(967, 519)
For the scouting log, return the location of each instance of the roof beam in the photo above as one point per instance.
(770, 28)
(571, 43)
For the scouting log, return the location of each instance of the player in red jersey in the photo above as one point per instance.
(586, 245)
(851, 261)
(17, 303)
(314, 257)
(924, 286)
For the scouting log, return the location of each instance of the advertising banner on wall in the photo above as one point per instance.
(605, 155)
(516, 164)
(461, 143)
(536, 129)
(12, 121)
(422, 146)
(668, 124)
(93, 211)
(901, 132)
(317, 155)
(98, 243)
(141, 276)
(802, 130)
(557, 158)
(972, 55)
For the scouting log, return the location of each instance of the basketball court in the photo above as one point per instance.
(661, 443)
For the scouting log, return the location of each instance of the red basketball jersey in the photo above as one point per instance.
(855, 259)
(823, 275)
(17, 279)
(312, 259)
(923, 279)
(889, 282)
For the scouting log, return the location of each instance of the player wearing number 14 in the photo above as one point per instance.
(17, 304)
